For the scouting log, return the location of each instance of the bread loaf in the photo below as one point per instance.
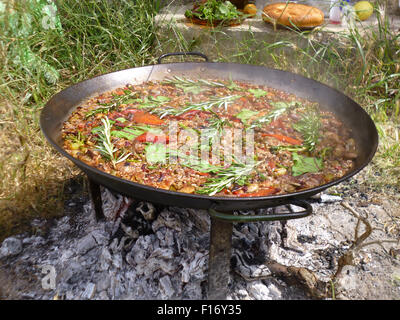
(293, 14)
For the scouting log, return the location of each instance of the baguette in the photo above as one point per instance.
(293, 14)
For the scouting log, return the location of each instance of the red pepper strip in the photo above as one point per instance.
(204, 174)
(153, 138)
(261, 193)
(283, 138)
(119, 92)
(147, 118)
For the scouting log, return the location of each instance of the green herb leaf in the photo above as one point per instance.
(122, 120)
(258, 93)
(156, 153)
(133, 100)
(304, 164)
(123, 134)
(245, 114)
(160, 99)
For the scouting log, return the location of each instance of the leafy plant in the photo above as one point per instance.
(20, 25)
(213, 10)
(156, 153)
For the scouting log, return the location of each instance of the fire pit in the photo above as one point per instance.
(220, 209)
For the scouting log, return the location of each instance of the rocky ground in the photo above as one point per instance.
(348, 249)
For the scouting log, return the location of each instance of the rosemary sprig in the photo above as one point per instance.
(103, 109)
(112, 105)
(208, 105)
(188, 85)
(106, 147)
(237, 173)
(219, 123)
(309, 126)
(279, 108)
(152, 102)
(162, 112)
(288, 148)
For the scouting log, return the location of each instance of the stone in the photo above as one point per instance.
(10, 247)
(329, 198)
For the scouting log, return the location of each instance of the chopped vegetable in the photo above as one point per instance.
(147, 118)
(283, 138)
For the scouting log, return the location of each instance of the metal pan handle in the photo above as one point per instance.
(268, 217)
(182, 54)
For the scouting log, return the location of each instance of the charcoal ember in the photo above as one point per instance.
(89, 292)
(147, 210)
(166, 288)
(103, 282)
(85, 244)
(132, 224)
(105, 259)
(111, 203)
(167, 219)
(200, 219)
(10, 247)
(194, 267)
(129, 257)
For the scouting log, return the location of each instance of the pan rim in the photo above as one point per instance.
(188, 196)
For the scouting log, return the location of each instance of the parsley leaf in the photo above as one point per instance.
(304, 164)
(258, 93)
(156, 153)
(245, 114)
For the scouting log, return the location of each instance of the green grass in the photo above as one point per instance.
(94, 37)
(97, 37)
